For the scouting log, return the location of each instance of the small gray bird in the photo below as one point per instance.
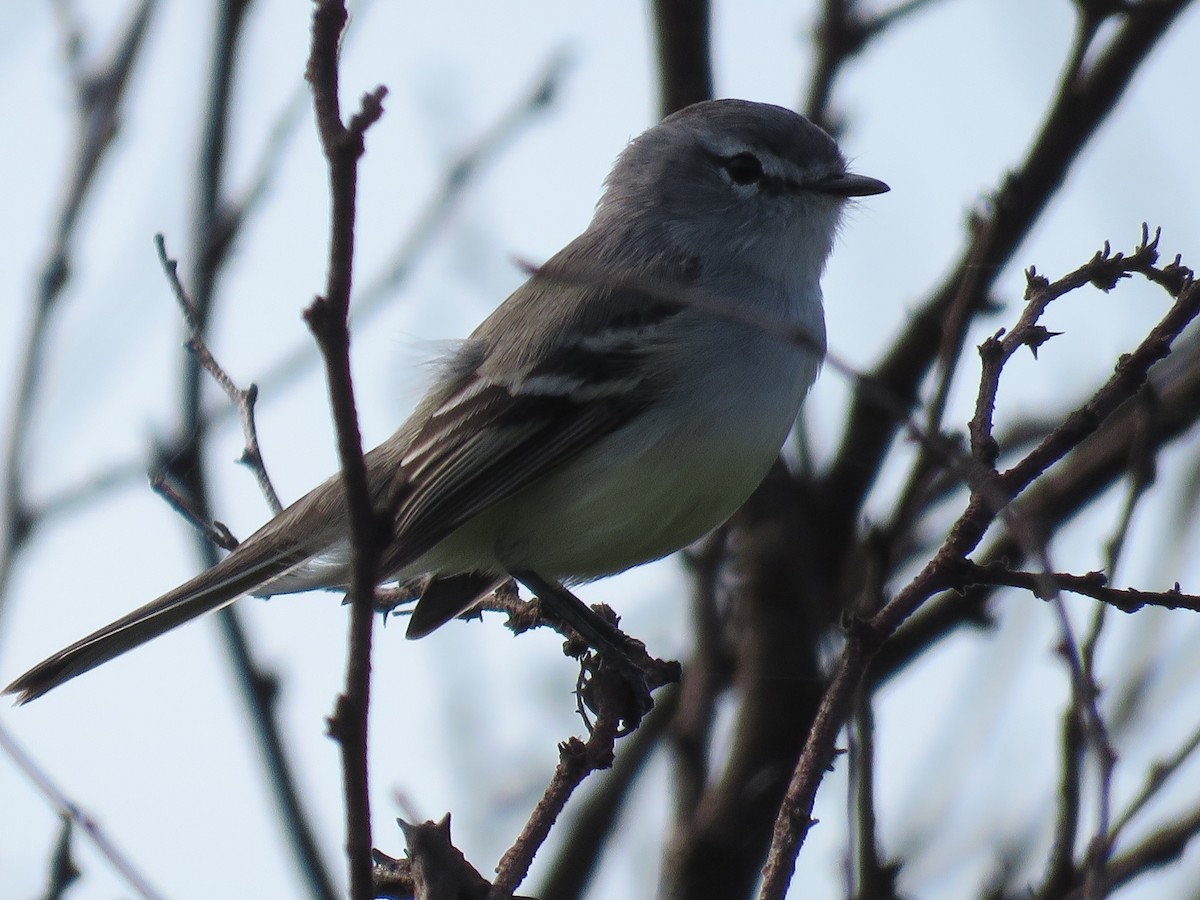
(597, 419)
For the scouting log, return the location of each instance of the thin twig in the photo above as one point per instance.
(100, 95)
(368, 301)
(576, 760)
(595, 819)
(1156, 779)
(242, 400)
(1076, 114)
(1165, 845)
(67, 808)
(1092, 584)
(327, 317)
(706, 676)
(87, 490)
(1058, 496)
(985, 504)
(215, 532)
(841, 34)
(1060, 868)
(216, 225)
(63, 870)
(412, 246)
(1084, 726)
(872, 878)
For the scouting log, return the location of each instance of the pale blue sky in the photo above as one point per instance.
(467, 720)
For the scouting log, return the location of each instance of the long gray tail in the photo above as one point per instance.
(253, 564)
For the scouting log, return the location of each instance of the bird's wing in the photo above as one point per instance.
(494, 437)
(531, 405)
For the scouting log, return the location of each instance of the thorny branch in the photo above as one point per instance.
(1092, 584)
(524, 615)
(606, 691)
(576, 760)
(1082, 105)
(986, 502)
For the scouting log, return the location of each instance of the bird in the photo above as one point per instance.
(619, 405)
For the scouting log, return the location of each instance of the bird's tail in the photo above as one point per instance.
(253, 564)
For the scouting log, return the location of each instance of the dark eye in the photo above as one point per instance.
(744, 168)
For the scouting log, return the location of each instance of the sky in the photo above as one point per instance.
(154, 747)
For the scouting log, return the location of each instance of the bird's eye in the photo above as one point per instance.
(744, 168)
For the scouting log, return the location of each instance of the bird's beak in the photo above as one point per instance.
(848, 184)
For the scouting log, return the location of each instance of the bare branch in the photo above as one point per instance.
(1093, 584)
(1159, 774)
(216, 532)
(243, 401)
(988, 498)
(411, 247)
(63, 870)
(71, 811)
(214, 230)
(1069, 124)
(842, 34)
(577, 760)
(100, 99)
(596, 817)
(1164, 846)
(684, 53)
(327, 318)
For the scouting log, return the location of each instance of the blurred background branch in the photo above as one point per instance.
(996, 745)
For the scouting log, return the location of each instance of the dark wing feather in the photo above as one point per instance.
(512, 443)
(539, 386)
